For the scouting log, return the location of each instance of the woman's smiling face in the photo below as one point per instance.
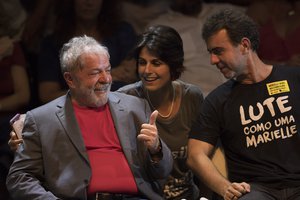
(153, 72)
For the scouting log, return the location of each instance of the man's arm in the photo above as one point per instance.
(199, 161)
(26, 172)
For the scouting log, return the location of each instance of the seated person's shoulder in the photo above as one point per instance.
(134, 89)
(126, 96)
(191, 89)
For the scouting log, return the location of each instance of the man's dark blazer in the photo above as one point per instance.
(52, 162)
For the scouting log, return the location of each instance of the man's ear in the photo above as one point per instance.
(69, 79)
(246, 44)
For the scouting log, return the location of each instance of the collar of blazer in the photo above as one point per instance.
(119, 114)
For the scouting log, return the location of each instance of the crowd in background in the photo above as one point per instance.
(33, 31)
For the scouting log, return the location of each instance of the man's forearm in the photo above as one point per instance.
(203, 167)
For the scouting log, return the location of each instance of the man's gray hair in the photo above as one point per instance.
(75, 47)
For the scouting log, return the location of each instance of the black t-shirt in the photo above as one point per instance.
(258, 126)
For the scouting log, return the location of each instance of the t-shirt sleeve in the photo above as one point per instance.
(206, 127)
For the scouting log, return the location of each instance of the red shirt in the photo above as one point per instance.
(110, 169)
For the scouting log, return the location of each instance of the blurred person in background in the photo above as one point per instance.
(279, 28)
(14, 81)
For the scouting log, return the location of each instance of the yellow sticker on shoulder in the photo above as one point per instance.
(278, 87)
